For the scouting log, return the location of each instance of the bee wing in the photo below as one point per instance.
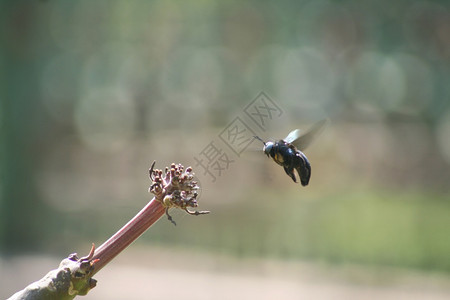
(292, 136)
(301, 142)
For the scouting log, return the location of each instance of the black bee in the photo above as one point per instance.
(288, 152)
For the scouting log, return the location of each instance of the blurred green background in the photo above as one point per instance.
(94, 91)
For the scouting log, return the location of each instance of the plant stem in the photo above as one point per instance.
(128, 233)
(175, 187)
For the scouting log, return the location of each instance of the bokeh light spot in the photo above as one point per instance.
(105, 119)
(304, 78)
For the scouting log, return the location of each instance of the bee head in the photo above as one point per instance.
(267, 148)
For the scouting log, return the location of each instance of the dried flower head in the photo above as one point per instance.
(175, 187)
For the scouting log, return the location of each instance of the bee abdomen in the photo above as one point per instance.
(303, 168)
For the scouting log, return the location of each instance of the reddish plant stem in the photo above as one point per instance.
(128, 234)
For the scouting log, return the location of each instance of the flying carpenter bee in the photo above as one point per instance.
(288, 152)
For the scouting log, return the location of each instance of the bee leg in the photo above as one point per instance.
(290, 172)
(169, 217)
(303, 168)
